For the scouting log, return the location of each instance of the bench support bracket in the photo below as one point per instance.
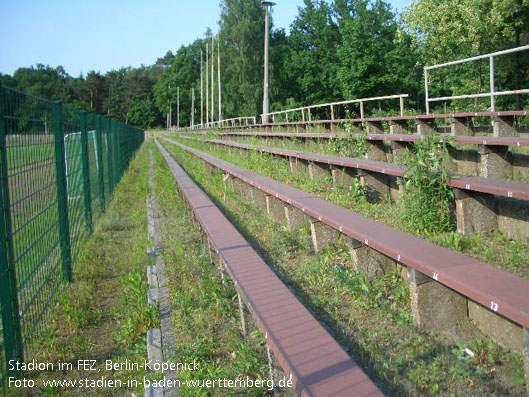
(434, 306)
(475, 212)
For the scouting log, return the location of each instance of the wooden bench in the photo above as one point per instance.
(305, 350)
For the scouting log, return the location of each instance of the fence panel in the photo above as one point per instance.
(56, 174)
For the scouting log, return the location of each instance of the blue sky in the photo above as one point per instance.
(100, 35)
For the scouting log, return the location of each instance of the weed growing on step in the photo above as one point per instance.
(428, 201)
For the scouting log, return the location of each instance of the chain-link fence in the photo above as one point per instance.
(59, 167)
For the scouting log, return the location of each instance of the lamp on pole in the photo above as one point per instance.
(267, 5)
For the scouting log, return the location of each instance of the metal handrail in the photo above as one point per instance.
(345, 102)
(492, 94)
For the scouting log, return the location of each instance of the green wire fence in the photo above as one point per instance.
(59, 168)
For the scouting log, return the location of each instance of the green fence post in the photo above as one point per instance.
(12, 333)
(110, 172)
(62, 192)
(86, 172)
(115, 150)
(99, 154)
(120, 150)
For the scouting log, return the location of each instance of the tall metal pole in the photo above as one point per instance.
(212, 80)
(169, 120)
(177, 108)
(266, 102)
(427, 102)
(201, 93)
(207, 85)
(192, 106)
(218, 76)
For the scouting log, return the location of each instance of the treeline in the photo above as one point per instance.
(124, 94)
(341, 49)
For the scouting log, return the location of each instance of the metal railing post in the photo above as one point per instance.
(86, 172)
(99, 154)
(492, 98)
(362, 110)
(12, 334)
(62, 192)
(427, 102)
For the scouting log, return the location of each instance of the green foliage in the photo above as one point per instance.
(139, 317)
(241, 31)
(119, 94)
(311, 60)
(374, 54)
(142, 112)
(427, 199)
(355, 145)
(334, 50)
(181, 70)
(454, 29)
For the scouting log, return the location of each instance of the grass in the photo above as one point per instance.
(103, 314)
(204, 304)
(371, 318)
(494, 248)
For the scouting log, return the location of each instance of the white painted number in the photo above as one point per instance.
(435, 275)
(493, 306)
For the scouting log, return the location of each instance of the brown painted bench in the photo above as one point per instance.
(306, 351)
(479, 207)
(460, 122)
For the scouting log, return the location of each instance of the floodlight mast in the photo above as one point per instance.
(267, 5)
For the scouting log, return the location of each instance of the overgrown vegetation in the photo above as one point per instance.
(493, 248)
(354, 146)
(371, 317)
(428, 200)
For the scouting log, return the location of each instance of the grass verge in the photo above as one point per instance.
(103, 314)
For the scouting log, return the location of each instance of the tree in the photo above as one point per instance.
(142, 113)
(96, 87)
(184, 72)
(242, 43)
(375, 54)
(311, 63)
